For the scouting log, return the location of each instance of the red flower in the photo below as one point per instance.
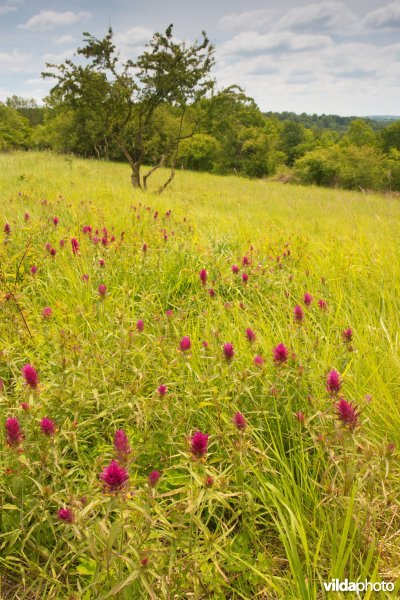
(245, 277)
(347, 335)
(229, 351)
(239, 421)
(307, 299)
(235, 269)
(140, 325)
(13, 431)
(203, 276)
(280, 353)
(251, 336)
(102, 290)
(198, 444)
(185, 344)
(66, 515)
(347, 413)
(333, 382)
(162, 390)
(298, 313)
(47, 426)
(258, 360)
(153, 478)
(47, 312)
(114, 476)
(75, 246)
(121, 443)
(31, 376)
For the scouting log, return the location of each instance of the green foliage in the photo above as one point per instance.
(391, 137)
(14, 129)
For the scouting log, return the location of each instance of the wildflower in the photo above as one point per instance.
(26, 216)
(298, 313)
(53, 251)
(1, 385)
(245, 277)
(347, 413)
(300, 416)
(203, 276)
(185, 344)
(66, 515)
(347, 335)
(140, 325)
(33, 269)
(228, 350)
(47, 312)
(322, 304)
(114, 476)
(258, 360)
(102, 290)
(47, 426)
(7, 228)
(55, 221)
(144, 247)
(87, 229)
(246, 260)
(239, 421)
(162, 389)
(153, 478)
(205, 344)
(211, 293)
(390, 448)
(280, 353)
(13, 431)
(307, 299)
(209, 481)
(333, 382)
(121, 443)
(169, 313)
(62, 243)
(31, 376)
(251, 336)
(104, 240)
(75, 245)
(85, 277)
(198, 444)
(235, 269)
(102, 262)
(24, 406)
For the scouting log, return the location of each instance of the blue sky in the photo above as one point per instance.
(323, 57)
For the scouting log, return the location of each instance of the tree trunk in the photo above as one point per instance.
(135, 176)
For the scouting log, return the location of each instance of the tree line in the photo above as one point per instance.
(163, 110)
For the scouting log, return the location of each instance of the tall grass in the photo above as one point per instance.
(273, 510)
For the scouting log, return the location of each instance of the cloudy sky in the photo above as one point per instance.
(333, 56)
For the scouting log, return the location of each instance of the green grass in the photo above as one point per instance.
(291, 505)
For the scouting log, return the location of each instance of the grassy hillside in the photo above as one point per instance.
(301, 488)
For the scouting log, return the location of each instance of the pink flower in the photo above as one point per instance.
(203, 276)
(298, 313)
(280, 353)
(87, 229)
(102, 262)
(33, 269)
(333, 382)
(53, 251)
(322, 304)
(144, 247)
(209, 481)
(162, 390)
(104, 240)
(185, 344)
(85, 277)
(114, 476)
(235, 269)
(251, 336)
(245, 277)
(55, 221)
(300, 416)
(153, 478)
(102, 290)
(169, 313)
(75, 245)
(30, 375)
(26, 216)
(7, 228)
(13, 431)
(347, 335)
(24, 406)
(347, 413)
(239, 421)
(62, 243)
(66, 515)
(47, 426)
(121, 443)
(307, 299)
(198, 444)
(246, 260)
(229, 350)
(211, 293)
(140, 325)
(258, 360)
(47, 312)
(205, 344)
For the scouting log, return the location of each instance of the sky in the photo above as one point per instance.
(327, 57)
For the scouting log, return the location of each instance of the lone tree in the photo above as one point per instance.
(117, 102)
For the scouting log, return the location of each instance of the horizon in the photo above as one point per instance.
(326, 58)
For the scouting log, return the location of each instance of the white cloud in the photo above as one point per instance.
(250, 42)
(384, 18)
(63, 39)
(252, 19)
(325, 16)
(58, 58)
(134, 37)
(6, 8)
(48, 19)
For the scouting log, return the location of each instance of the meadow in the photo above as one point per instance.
(199, 390)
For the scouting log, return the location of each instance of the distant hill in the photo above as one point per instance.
(332, 122)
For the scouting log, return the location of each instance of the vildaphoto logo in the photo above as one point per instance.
(335, 585)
